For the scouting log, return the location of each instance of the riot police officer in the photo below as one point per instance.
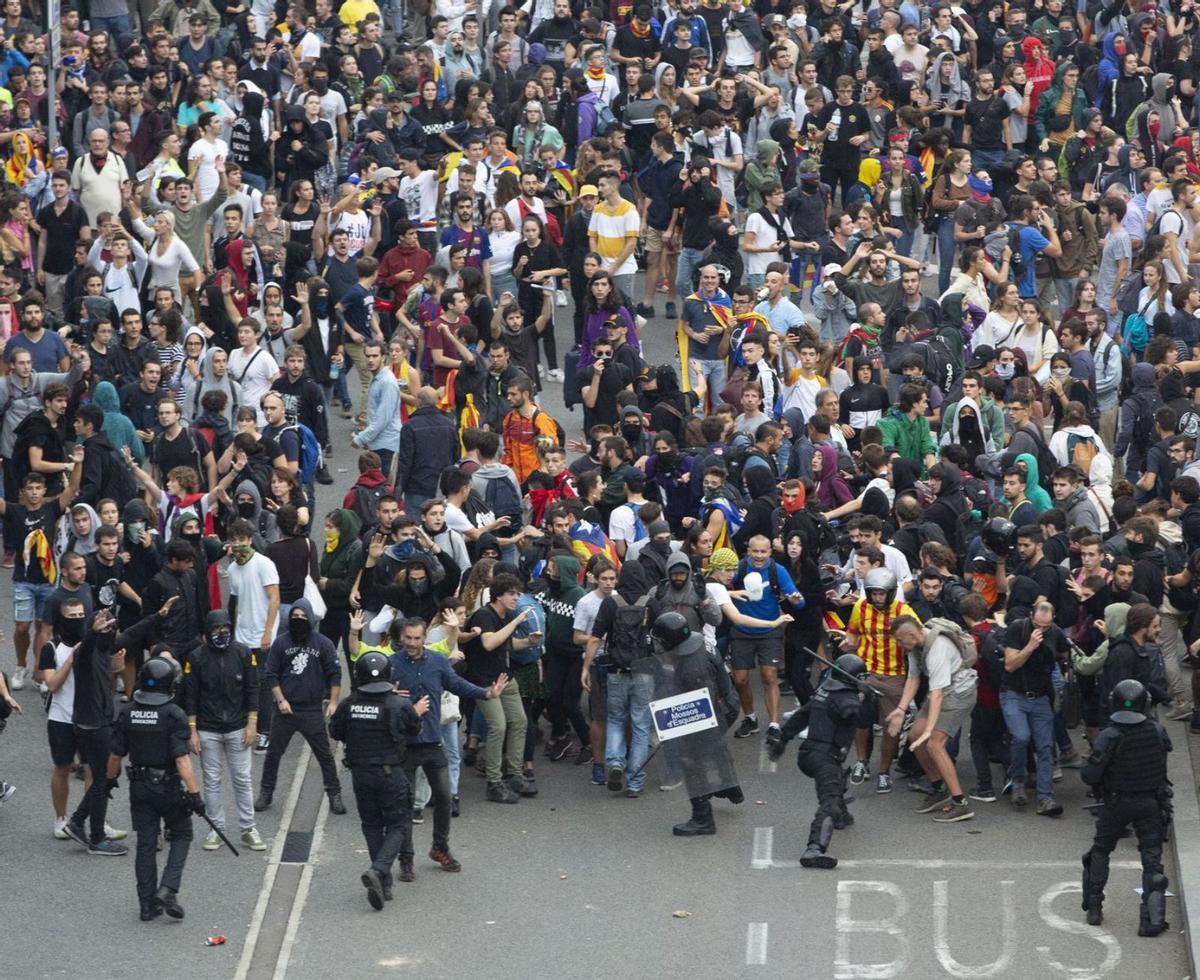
(1129, 765)
(835, 712)
(376, 724)
(153, 731)
(701, 756)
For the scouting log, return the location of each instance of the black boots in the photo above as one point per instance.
(265, 796)
(1093, 893)
(701, 823)
(150, 910)
(1154, 907)
(336, 806)
(814, 855)
(374, 885)
(166, 898)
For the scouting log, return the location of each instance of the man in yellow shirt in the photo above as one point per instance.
(613, 232)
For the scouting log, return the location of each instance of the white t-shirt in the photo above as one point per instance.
(249, 583)
(310, 46)
(764, 235)
(586, 610)
(358, 227)
(725, 146)
(207, 177)
(419, 195)
(254, 372)
(718, 595)
(62, 704)
(621, 526)
(457, 520)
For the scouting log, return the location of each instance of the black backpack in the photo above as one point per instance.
(627, 637)
(366, 501)
(688, 610)
(502, 501)
(1143, 421)
(1016, 263)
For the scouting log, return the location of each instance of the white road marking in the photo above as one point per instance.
(847, 927)
(941, 935)
(1112, 948)
(293, 926)
(756, 944)
(765, 762)
(763, 845)
(264, 893)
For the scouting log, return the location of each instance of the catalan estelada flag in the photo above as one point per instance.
(589, 539)
(721, 309)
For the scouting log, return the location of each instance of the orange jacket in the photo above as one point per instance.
(520, 434)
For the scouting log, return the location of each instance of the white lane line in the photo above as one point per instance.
(293, 926)
(264, 893)
(764, 842)
(765, 762)
(756, 944)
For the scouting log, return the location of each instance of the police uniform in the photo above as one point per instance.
(831, 717)
(1129, 765)
(154, 736)
(375, 727)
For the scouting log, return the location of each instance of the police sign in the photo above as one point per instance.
(683, 714)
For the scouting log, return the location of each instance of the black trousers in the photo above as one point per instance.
(826, 774)
(987, 741)
(93, 751)
(431, 759)
(384, 811)
(310, 723)
(578, 296)
(834, 173)
(1119, 811)
(336, 626)
(154, 806)
(564, 685)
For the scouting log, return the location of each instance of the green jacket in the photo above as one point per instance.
(340, 567)
(909, 437)
(1033, 488)
(559, 603)
(1048, 104)
(760, 172)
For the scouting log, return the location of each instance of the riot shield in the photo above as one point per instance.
(688, 722)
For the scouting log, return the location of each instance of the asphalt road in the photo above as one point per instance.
(578, 882)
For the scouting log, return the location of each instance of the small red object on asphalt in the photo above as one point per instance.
(215, 941)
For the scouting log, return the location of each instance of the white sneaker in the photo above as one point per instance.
(120, 683)
(212, 842)
(560, 297)
(17, 683)
(555, 375)
(60, 832)
(252, 839)
(112, 833)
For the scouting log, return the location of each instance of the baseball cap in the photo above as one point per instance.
(385, 173)
(772, 19)
(980, 357)
(589, 190)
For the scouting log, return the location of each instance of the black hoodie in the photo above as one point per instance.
(313, 152)
(105, 473)
(220, 686)
(247, 143)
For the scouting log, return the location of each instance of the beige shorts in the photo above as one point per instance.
(955, 710)
(890, 688)
(657, 241)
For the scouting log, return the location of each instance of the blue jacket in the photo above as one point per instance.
(383, 414)
(302, 671)
(657, 179)
(431, 674)
(768, 607)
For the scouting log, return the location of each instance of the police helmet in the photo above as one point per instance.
(669, 631)
(880, 580)
(1129, 702)
(847, 666)
(999, 536)
(156, 681)
(373, 673)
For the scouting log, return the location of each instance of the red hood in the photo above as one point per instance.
(371, 478)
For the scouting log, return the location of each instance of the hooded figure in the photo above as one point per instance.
(1050, 122)
(211, 381)
(762, 170)
(632, 583)
(952, 92)
(183, 383)
(680, 592)
(69, 538)
(1110, 63)
(247, 504)
(1162, 88)
(1022, 594)
(762, 490)
(563, 592)
(966, 430)
(949, 504)
(832, 490)
(383, 152)
(1120, 97)
(1039, 69)
(341, 560)
(868, 175)
(301, 150)
(1127, 660)
(248, 136)
(1135, 433)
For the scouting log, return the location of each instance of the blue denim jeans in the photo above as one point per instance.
(984, 159)
(689, 260)
(255, 181)
(714, 377)
(628, 701)
(114, 25)
(1025, 717)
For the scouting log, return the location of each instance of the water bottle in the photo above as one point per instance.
(334, 371)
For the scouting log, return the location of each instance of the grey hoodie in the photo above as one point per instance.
(493, 471)
(263, 523)
(1081, 511)
(667, 598)
(210, 382)
(18, 402)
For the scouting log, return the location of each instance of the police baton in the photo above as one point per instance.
(856, 681)
(220, 833)
(642, 768)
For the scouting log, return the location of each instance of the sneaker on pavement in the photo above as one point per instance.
(212, 842)
(261, 743)
(556, 375)
(883, 783)
(336, 805)
(59, 832)
(597, 773)
(445, 859)
(859, 773)
(1019, 797)
(645, 310)
(501, 793)
(17, 682)
(935, 804)
(1073, 759)
(73, 830)
(584, 755)
(670, 311)
(616, 779)
(253, 839)
(1049, 807)
(921, 784)
(748, 727)
(1056, 776)
(953, 812)
(108, 848)
(418, 815)
(1179, 711)
(983, 794)
(112, 833)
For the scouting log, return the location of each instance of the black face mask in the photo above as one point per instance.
(220, 639)
(320, 85)
(419, 586)
(661, 547)
(192, 537)
(631, 432)
(667, 459)
(300, 629)
(246, 508)
(71, 631)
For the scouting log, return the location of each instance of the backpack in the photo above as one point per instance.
(605, 117)
(310, 451)
(991, 656)
(1046, 460)
(560, 434)
(1016, 263)
(626, 637)
(258, 472)
(940, 367)
(938, 627)
(1143, 421)
(639, 529)
(1081, 450)
(744, 569)
(534, 623)
(501, 499)
(366, 501)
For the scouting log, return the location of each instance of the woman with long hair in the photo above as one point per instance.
(269, 233)
(950, 189)
(899, 196)
(503, 239)
(508, 188)
(1000, 326)
(602, 303)
(325, 177)
(664, 83)
(1085, 302)
(536, 263)
(975, 271)
(1036, 338)
(515, 113)
(17, 237)
(434, 119)
(1016, 90)
(479, 304)
(301, 212)
(285, 489)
